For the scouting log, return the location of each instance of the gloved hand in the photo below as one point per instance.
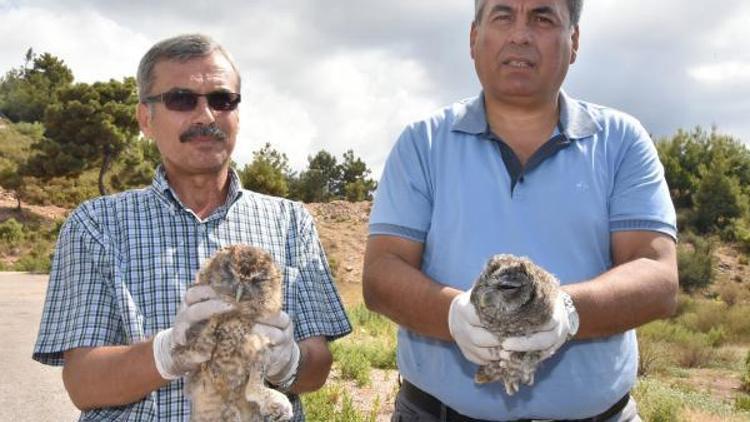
(476, 343)
(562, 326)
(282, 358)
(200, 303)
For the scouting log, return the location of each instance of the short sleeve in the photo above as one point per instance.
(79, 309)
(403, 200)
(640, 198)
(318, 307)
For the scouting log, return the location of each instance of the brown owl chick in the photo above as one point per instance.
(229, 386)
(513, 297)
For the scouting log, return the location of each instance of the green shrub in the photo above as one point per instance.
(688, 348)
(351, 364)
(695, 352)
(731, 293)
(685, 303)
(11, 231)
(716, 336)
(371, 323)
(34, 263)
(705, 315)
(737, 323)
(742, 403)
(333, 404)
(656, 402)
(333, 265)
(652, 358)
(745, 379)
(695, 264)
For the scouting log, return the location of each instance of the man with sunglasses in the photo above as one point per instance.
(119, 298)
(522, 169)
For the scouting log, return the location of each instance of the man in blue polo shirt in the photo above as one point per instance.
(522, 169)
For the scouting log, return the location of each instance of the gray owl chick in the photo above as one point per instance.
(229, 385)
(513, 297)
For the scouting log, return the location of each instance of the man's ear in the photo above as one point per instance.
(143, 114)
(574, 42)
(472, 38)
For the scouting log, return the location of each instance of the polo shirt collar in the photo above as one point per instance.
(575, 120)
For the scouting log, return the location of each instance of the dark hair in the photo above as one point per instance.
(181, 48)
(574, 9)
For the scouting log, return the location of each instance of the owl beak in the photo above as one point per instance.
(509, 285)
(240, 290)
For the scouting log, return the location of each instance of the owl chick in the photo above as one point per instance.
(513, 297)
(229, 386)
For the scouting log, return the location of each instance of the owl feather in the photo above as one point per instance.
(229, 385)
(513, 297)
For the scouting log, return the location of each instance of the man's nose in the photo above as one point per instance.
(521, 32)
(203, 113)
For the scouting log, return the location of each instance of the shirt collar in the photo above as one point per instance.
(575, 120)
(161, 185)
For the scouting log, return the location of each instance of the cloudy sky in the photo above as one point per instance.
(349, 74)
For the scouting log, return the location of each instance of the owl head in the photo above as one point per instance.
(245, 276)
(504, 287)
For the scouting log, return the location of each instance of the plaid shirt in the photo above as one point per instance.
(123, 262)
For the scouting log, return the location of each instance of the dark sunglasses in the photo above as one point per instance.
(187, 100)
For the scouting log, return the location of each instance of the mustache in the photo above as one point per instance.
(211, 130)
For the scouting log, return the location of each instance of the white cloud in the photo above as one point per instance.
(731, 71)
(350, 75)
(353, 100)
(95, 47)
(270, 115)
(377, 92)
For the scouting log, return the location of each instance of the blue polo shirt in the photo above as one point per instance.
(452, 185)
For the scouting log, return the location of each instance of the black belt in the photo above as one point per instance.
(436, 408)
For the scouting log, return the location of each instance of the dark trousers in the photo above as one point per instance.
(414, 405)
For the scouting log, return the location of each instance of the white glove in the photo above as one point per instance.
(476, 343)
(283, 356)
(200, 303)
(562, 326)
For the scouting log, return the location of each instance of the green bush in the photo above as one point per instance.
(333, 265)
(695, 264)
(333, 404)
(651, 357)
(716, 336)
(737, 323)
(34, 263)
(371, 323)
(657, 403)
(704, 316)
(11, 231)
(688, 349)
(685, 303)
(351, 364)
(742, 403)
(745, 380)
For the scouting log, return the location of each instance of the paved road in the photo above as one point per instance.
(29, 391)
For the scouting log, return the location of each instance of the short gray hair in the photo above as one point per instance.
(574, 9)
(181, 48)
